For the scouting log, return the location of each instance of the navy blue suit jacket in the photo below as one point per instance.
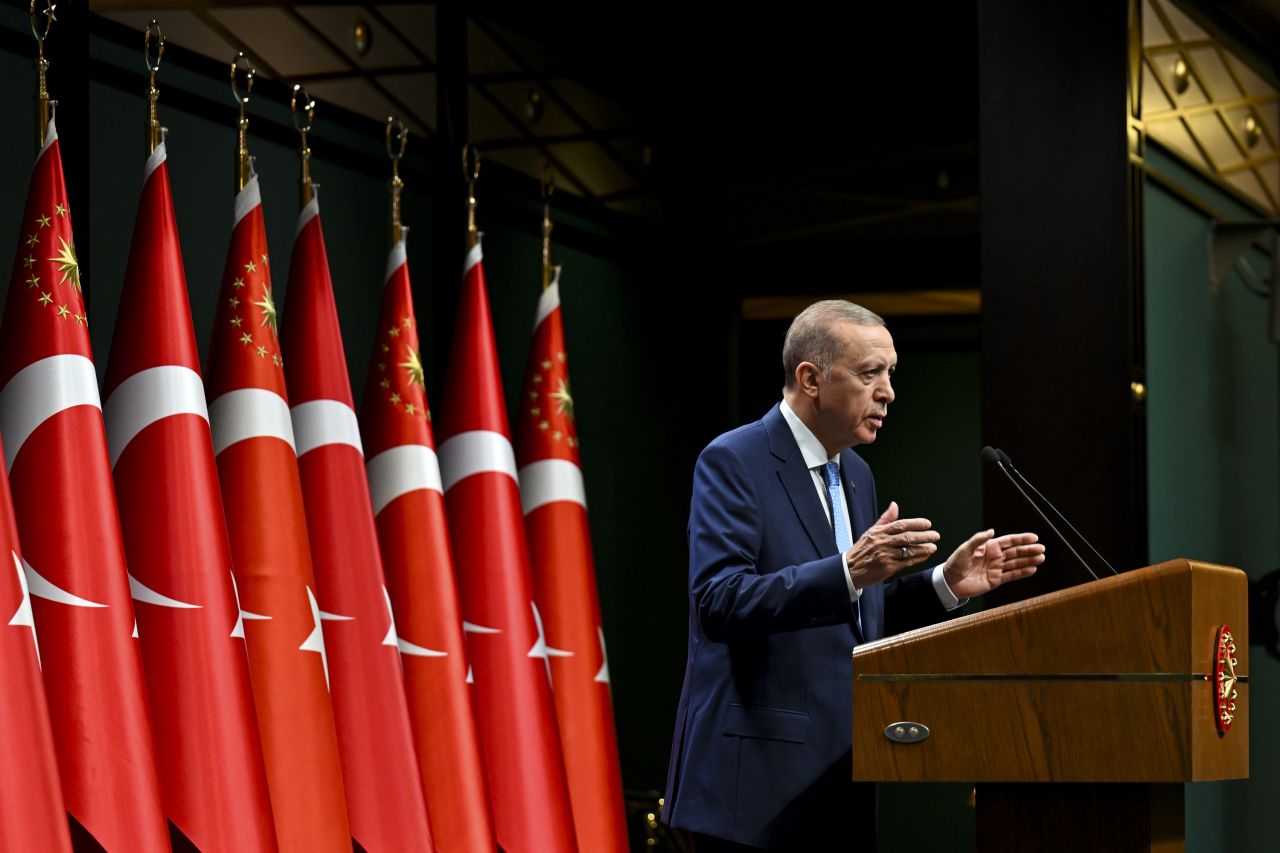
(761, 753)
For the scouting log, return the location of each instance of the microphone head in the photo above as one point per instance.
(990, 455)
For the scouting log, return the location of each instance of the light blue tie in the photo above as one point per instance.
(839, 521)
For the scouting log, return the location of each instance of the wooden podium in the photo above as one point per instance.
(1115, 682)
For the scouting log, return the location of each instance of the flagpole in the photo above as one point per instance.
(401, 137)
(44, 105)
(308, 187)
(155, 133)
(244, 167)
(471, 171)
(548, 189)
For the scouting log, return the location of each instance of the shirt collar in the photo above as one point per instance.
(815, 455)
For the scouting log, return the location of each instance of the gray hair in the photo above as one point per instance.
(812, 337)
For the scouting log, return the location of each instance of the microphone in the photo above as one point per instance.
(1004, 457)
(992, 456)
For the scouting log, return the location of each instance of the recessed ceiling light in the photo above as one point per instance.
(361, 36)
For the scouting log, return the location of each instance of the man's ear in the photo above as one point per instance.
(808, 377)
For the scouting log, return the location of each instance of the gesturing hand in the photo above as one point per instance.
(984, 563)
(888, 546)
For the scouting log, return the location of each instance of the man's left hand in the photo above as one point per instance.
(986, 561)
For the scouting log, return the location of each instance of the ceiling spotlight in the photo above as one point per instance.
(1181, 76)
(1252, 132)
(361, 36)
(533, 107)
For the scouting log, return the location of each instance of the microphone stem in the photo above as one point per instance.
(1057, 532)
(1063, 519)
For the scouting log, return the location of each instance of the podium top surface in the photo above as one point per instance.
(1159, 619)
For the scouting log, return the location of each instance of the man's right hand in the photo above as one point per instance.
(889, 546)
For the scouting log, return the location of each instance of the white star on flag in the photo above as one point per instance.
(472, 628)
(23, 618)
(315, 640)
(397, 642)
(540, 648)
(602, 676)
(241, 613)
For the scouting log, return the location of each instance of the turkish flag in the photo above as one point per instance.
(56, 451)
(509, 652)
(209, 755)
(564, 582)
(32, 814)
(404, 479)
(380, 773)
(261, 492)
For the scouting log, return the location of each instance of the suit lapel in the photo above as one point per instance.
(798, 484)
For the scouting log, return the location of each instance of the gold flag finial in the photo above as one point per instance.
(397, 139)
(155, 133)
(308, 112)
(548, 189)
(44, 106)
(471, 170)
(244, 169)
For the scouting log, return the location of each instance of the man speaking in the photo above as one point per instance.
(789, 569)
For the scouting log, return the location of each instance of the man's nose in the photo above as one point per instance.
(886, 391)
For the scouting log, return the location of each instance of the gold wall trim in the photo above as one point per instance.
(1206, 104)
(912, 303)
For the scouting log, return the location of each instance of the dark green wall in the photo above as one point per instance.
(1213, 426)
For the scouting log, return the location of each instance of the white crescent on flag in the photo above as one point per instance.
(400, 470)
(42, 588)
(476, 452)
(141, 592)
(148, 396)
(548, 481)
(41, 390)
(249, 413)
(318, 423)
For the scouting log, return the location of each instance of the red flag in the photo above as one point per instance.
(380, 773)
(209, 755)
(564, 580)
(32, 814)
(509, 653)
(56, 451)
(258, 470)
(404, 479)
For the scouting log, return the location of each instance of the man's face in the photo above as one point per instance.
(852, 402)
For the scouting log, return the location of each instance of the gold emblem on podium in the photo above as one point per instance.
(1224, 679)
